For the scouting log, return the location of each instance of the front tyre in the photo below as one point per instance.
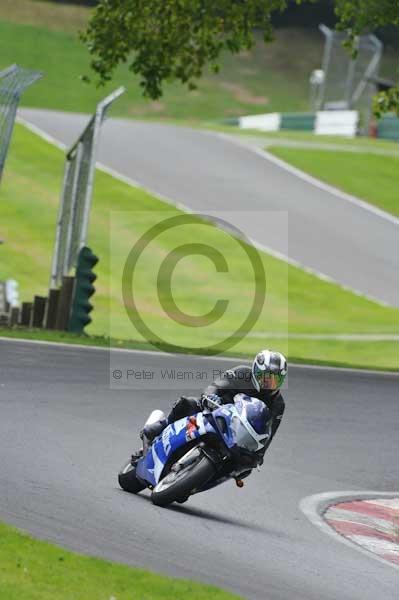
(128, 480)
(178, 485)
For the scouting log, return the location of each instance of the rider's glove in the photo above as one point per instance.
(208, 401)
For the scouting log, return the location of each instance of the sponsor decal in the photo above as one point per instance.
(191, 428)
(166, 440)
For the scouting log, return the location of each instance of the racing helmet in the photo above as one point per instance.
(269, 369)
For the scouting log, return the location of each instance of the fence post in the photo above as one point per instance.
(73, 208)
(55, 269)
(26, 312)
(38, 310)
(3, 299)
(76, 195)
(14, 316)
(64, 303)
(52, 309)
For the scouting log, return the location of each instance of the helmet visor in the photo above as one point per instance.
(267, 380)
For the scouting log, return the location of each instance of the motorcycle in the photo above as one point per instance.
(197, 453)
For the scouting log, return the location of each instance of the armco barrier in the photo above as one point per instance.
(267, 122)
(324, 122)
(329, 122)
(298, 121)
(388, 128)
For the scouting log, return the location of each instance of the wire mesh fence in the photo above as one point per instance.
(346, 83)
(13, 81)
(76, 194)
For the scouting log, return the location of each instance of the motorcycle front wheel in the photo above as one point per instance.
(178, 485)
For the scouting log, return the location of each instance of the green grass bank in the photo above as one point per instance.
(246, 84)
(296, 302)
(34, 570)
(367, 175)
(273, 77)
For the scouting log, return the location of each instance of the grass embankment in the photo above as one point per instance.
(247, 84)
(295, 300)
(43, 35)
(36, 570)
(370, 176)
(64, 337)
(273, 77)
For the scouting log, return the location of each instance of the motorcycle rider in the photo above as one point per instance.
(262, 380)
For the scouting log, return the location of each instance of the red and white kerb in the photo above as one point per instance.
(372, 524)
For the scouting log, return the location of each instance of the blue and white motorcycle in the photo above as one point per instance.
(199, 452)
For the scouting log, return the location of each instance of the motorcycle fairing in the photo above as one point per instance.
(174, 436)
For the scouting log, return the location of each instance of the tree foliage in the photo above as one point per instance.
(358, 16)
(166, 40)
(173, 39)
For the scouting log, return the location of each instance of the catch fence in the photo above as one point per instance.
(76, 194)
(13, 82)
(347, 78)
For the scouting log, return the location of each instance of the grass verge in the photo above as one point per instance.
(34, 570)
(366, 175)
(359, 144)
(296, 302)
(273, 77)
(247, 83)
(365, 361)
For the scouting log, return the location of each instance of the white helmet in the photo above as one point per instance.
(269, 370)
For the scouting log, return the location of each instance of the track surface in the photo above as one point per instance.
(207, 172)
(64, 433)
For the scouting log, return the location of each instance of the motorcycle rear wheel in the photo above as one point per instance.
(178, 486)
(127, 479)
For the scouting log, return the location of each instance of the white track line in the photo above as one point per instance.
(280, 256)
(40, 132)
(313, 507)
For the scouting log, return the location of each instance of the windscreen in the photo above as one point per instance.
(243, 438)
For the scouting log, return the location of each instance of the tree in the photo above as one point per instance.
(166, 40)
(357, 16)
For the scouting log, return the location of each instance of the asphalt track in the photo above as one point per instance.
(64, 433)
(207, 172)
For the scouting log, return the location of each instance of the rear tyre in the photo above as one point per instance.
(177, 486)
(128, 480)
